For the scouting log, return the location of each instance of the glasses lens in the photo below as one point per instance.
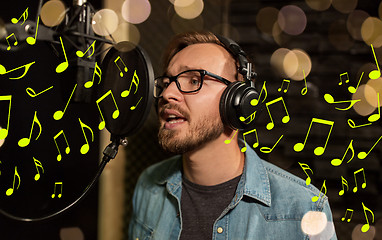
(159, 85)
(190, 81)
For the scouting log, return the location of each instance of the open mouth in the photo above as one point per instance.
(172, 118)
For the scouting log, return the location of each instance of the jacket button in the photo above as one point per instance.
(220, 229)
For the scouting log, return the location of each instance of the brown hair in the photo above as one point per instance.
(184, 40)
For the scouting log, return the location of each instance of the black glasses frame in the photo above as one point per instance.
(202, 74)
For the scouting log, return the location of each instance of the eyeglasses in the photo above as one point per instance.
(187, 82)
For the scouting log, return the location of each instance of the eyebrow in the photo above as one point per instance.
(182, 69)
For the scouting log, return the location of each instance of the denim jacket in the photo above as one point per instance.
(269, 203)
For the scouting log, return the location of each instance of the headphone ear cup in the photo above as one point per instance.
(235, 102)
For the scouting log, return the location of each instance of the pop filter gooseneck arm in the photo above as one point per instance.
(109, 153)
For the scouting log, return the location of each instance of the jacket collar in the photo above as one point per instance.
(254, 181)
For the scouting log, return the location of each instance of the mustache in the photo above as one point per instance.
(175, 107)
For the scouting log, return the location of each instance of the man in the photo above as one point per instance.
(213, 190)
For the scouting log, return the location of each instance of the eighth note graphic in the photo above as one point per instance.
(305, 167)
(85, 147)
(337, 162)
(11, 190)
(25, 141)
(366, 226)
(60, 191)
(318, 151)
(315, 198)
(285, 119)
(351, 215)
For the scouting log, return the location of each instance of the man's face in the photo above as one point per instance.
(189, 120)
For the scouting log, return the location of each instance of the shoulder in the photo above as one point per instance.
(291, 195)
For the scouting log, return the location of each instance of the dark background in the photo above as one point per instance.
(76, 170)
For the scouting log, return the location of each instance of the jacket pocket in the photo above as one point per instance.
(140, 231)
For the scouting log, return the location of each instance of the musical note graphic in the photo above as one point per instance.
(355, 189)
(125, 68)
(318, 150)
(305, 167)
(98, 72)
(351, 89)
(346, 78)
(32, 40)
(64, 65)
(254, 102)
(37, 164)
(25, 141)
(255, 145)
(80, 54)
(135, 80)
(10, 191)
(132, 108)
(59, 114)
(363, 155)
(366, 226)
(376, 116)
(32, 93)
(343, 183)
(228, 141)
(26, 68)
(67, 149)
(329, 99)
(60, 184)
(85, 148)
(267, 149)
(375, 73)
(24, 15)
(14, 43)
(315, 198)
(282, 84)
(4, 131)
(337, 162)
(115, 113)
(351, 123)
(251, 118)
(351, 215)
(304, 90)
(285, 119)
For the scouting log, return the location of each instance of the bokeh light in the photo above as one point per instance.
(339, 36)
(319, 5)
(363, 108)
(371, 31)
(266, 18)
(277, 60)
(105, 22)
(297, 64)
(354, 23)
(127, 32)
(53, 13)
(292, 20)
(345, 6)
(3, 30)
(357, 234)
(314, 222)
(189, 9)
(179, 24)
(376, 84)
(135, 11)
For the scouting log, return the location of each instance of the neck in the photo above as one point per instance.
(214, 162)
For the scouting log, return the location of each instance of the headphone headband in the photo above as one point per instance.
(245, 67)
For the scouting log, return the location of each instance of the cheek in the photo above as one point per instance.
(207, 105)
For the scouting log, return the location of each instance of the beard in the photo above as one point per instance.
(200, 132)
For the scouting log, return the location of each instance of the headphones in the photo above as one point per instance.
(235, 103)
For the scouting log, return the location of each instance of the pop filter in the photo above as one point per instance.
(125, 94)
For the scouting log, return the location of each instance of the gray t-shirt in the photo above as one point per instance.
(202, 205)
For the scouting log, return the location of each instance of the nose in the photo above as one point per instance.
(172, 93)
